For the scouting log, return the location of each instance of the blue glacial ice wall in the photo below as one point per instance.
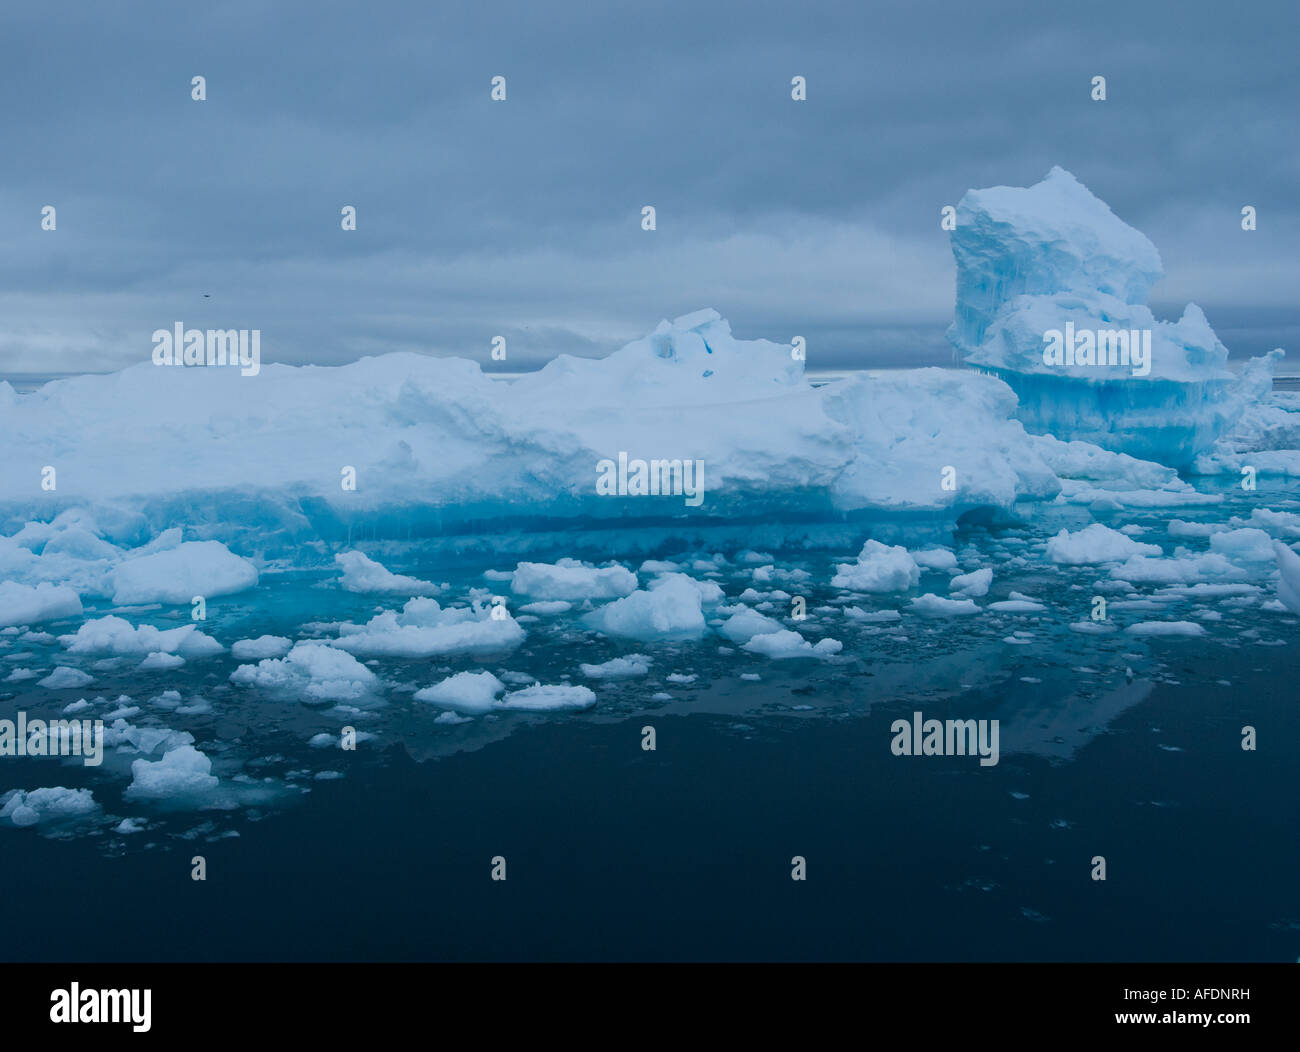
(1053, 258)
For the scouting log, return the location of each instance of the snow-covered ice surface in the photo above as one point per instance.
(1022, 543)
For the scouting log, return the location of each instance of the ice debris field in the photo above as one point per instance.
(182, 559)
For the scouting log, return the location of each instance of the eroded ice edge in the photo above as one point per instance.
(1004, 497)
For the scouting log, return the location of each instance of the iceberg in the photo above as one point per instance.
(1051, 298)
(437, 449)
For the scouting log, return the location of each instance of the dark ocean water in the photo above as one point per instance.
(681, 854)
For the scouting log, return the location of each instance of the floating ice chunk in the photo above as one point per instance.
(769, 575)
(571, 579)
(935, 559)
(543, 698)
(1186, 569)
(1096, 543)
(1183, 528)
(931, 605)
(177, 575)
(653, 566)
(547, 606)
(65, 678)
(973, 585)
(1018, 606)
(782, 645)
(123, 735)
(1277, 523)
(312, 670)
(261, 647)
(618, 668)
(476, 693)
(363, 574)
(472, 692)
(671, 611)
(23, 605)
(158, 661)
(425, 629)
(744, 624)
(872, 616)
(710, 592)
(327, 741)
(1175, 494)
(116, 635)
(1234, 555)
(20, 674)
(1288, 584)
(880, 568)
(1076, 461)
(1091, 628)
(1165, 628)
(182, 772)
(1244, 546)
(57, 804)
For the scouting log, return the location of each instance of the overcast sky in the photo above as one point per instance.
(523, 219)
